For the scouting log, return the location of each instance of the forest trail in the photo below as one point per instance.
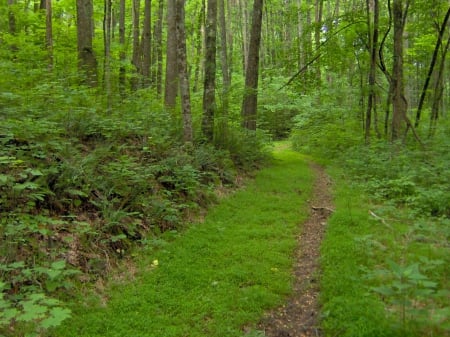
(299, 316)
(219, 277)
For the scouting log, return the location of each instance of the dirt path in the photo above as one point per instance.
(299, 316)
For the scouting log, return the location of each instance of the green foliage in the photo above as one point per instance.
(413, 294)
(394, 209)
(84, 186)
(322, 127)
(218, 275)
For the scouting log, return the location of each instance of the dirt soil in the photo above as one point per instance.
(299, 316)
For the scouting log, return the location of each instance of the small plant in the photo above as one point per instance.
(24, 304)
(408, 292)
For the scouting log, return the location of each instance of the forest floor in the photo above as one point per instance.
(299, 316)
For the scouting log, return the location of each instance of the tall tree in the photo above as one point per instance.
(399, 102)
(222, 124)
(122, 53)
(432, 64)
(146, 44)
(250, 101)
(107, 22)
(157, 57)
(373, 48)
(317, 35)
(49, 33)
(209, 88)
(136, 57)
(87, 61)
(171, 82)
(183, 75)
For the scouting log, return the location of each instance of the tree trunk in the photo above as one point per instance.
(11, 18)
(226, 79)
(399, 102)
(136, 57)
(183, 72)
(244, 24)
(373, 47)
(209, 88)
(317, 31)
(122, 54)
(87, 62)
(146, 44)
(438, 91)
(430, 70)
(49, 33)
(199, 46)
(157, 50)
(250, 102)
(171, 85)
(107, 20)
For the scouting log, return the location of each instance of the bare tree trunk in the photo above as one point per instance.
(136, 57)
(146, 44)
(199, 46)
(317, 31)
(11, 18)
(399, 102)
(300, 51)
(209, 89)
(244, 24)
(373, 47)
(188, 134)
(171, 85)
(49, 33)
(431, 68)
(224, 55)
(157, 50)
(107, 20)
(250, 102)
(122, 54)
(87, 62)
(438, 91)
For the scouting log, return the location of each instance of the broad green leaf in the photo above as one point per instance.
(56, 316)
(61, 264)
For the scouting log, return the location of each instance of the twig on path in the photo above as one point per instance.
(318, 208)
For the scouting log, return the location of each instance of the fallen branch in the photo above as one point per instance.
(316, 208)
(380, 218)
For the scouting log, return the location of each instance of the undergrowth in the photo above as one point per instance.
(217, 276)
(80, 187)
(385, 255)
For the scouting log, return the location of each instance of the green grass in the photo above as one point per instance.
(218, 275)
(369, 286)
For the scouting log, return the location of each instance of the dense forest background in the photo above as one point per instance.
(121, 118)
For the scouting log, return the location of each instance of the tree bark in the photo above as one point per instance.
(171, 83)
(209, 88)
(49, 33)
(373, 48)
(399, 102)
(317, 31)
(226, 78)
(146, 44)
(183, 72)
(250, 102)
(431, 68)
(87, 62)
(136, 57)
(122, 53)
(107, 21)
(438, 91)
(157, 59)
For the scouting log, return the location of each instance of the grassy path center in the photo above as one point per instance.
(218, 275)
